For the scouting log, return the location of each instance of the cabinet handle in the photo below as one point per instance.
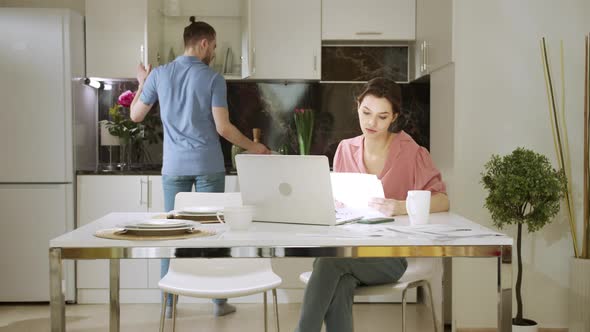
(315, 63)
(425, 56)
(422, 57)
(253, 60)
(141, 54)
(149, 194)
(141, 182)
(366, 33)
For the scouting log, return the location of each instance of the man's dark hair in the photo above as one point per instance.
(196, 31)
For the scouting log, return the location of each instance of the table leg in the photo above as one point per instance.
(115, 310)
(57, 302)
(504, 295)
(447, 295)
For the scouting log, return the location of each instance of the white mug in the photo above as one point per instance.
(237, 217)
(418, 206)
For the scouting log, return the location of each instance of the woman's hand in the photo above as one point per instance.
(389, 207)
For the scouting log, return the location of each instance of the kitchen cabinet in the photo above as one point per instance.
(98, 195)
(434, 33)
(224, 16)
(368, 20)
(283, 45)
(120, 35)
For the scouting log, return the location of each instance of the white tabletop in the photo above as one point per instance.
(291, 235)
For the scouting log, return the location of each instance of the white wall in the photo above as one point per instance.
(76, 5)
(500, 104)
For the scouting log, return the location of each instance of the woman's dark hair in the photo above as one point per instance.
(382, 87)
(197, 31)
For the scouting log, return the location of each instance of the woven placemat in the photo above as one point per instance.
(119, 234)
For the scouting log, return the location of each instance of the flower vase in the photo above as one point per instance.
(126, 155)
(303, 145)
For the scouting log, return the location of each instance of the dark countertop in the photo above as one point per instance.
(118, 172)
(138, 171)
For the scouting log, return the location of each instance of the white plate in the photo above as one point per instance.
(160, 224)
(201, 209)
(149, 230)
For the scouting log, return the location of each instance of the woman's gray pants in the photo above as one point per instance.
(329, 292)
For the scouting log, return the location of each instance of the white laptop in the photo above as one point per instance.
(289, 189)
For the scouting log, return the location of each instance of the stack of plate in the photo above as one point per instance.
(204, 214)
(160, 227)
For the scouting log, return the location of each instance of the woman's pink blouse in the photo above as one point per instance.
(407, 167)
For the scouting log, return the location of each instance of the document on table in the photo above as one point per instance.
(440, 231)
(354, 190)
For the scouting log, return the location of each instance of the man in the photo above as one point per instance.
(193, 108)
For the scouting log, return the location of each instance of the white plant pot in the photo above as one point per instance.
(579, 295)
(520, 328)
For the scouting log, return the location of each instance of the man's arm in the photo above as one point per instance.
(228, 131)
(138, 109)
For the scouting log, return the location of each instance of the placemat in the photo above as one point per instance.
(117, 234)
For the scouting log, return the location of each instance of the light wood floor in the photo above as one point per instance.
(198, 317)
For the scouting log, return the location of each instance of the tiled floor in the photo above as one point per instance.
(198, 317)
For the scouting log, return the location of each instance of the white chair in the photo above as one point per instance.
(217, 278)
(416, 275)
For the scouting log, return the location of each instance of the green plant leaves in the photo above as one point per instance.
(522, 188)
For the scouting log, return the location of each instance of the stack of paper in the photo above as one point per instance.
(354, 190)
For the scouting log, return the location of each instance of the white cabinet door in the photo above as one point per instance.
(34, 67)
(434, 34)
(32, 214)
(115, 37)
(97, 196)
(155, 33)
(156, 194)
(283, 44)
(368, 20)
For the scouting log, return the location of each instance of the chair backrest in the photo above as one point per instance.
(423, 267)
(222, 267)
(212, 267)
(188, 199)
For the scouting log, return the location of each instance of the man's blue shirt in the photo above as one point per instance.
(187, 90)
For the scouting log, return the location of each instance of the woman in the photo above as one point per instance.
(401, 165)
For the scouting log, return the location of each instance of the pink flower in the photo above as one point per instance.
(126, 98)
(299, 110)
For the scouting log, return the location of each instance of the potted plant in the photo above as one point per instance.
(523, 189)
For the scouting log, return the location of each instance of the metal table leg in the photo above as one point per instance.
(504, 295)
(115, 310)
(57, 302)
(446, 318)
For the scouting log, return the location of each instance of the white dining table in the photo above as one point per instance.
(448, 235)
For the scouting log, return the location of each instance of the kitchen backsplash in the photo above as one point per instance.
(364, 62)
(270, 106)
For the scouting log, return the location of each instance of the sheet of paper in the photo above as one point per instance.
(355, 189)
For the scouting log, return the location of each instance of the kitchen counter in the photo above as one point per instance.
(151, 171)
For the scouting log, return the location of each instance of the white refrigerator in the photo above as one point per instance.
(41, 59)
